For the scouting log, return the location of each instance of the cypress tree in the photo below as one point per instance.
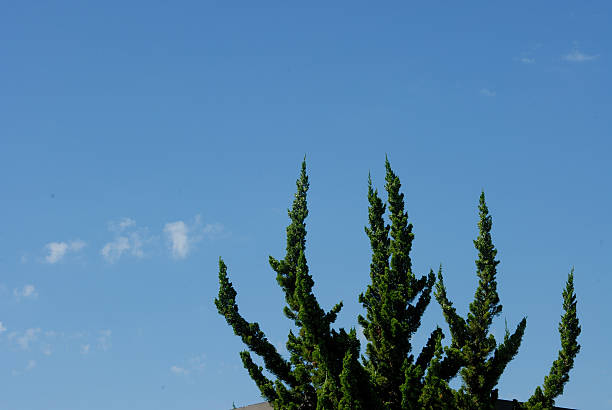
(324, 370)
(473, 350)
(311, 379)
(569, 330)
(394, 301)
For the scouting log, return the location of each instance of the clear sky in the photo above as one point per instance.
(142, 140)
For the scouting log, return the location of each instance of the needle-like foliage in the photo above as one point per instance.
(325, 370)
(394, 301)
(473, 350)
(569, 329)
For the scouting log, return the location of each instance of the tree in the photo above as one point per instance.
(324, 370)
(392, 314)
(473, 349)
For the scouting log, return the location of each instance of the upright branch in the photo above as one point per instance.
(311, 379)
(393, 310)
(569, 330)
(286, 269)
(473, 349)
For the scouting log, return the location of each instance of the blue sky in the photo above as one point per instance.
(143, 140)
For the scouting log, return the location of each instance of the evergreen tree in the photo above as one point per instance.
(392, 314)
(569, 329)
(473, 350)
(324, 371)
(312, 377)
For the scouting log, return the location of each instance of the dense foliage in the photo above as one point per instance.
(324, 370)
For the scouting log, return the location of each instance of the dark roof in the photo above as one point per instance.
(259, 406)
(509, 405)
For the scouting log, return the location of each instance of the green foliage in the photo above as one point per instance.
(393, 310)
(569, 329)
(436, 394)
(311, 378)
(324, 370)
(473, 349)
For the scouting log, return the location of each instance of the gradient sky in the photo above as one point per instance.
(142, 140)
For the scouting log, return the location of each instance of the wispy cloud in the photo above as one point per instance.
(177, 233)
(121, 225)
(577, 56)
(179, 370)
(194, 364)
(57, 250)
(44, 340)
(528, 56)
(23, 340)
(182, 237)
(2, 328)
(487, 93)
(27, 292)
(214, 230)
(128, 240)
(104, 341)
(113, 250)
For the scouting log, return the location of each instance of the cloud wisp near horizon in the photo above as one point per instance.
(136, 241)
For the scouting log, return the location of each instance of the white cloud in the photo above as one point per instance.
(128, 240)
(27, 292)
(24, 340)
(104, 342)
(182, 237)
(113, 250)
(179, 370)
(45, 340)
(121, 225)
(2, 328)
(136, 243)
(193, 365)
(487, 93)
(77, 245)
(577, 56)
(177, 233)
(527, 60)
(57, 250)
(213, 229)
